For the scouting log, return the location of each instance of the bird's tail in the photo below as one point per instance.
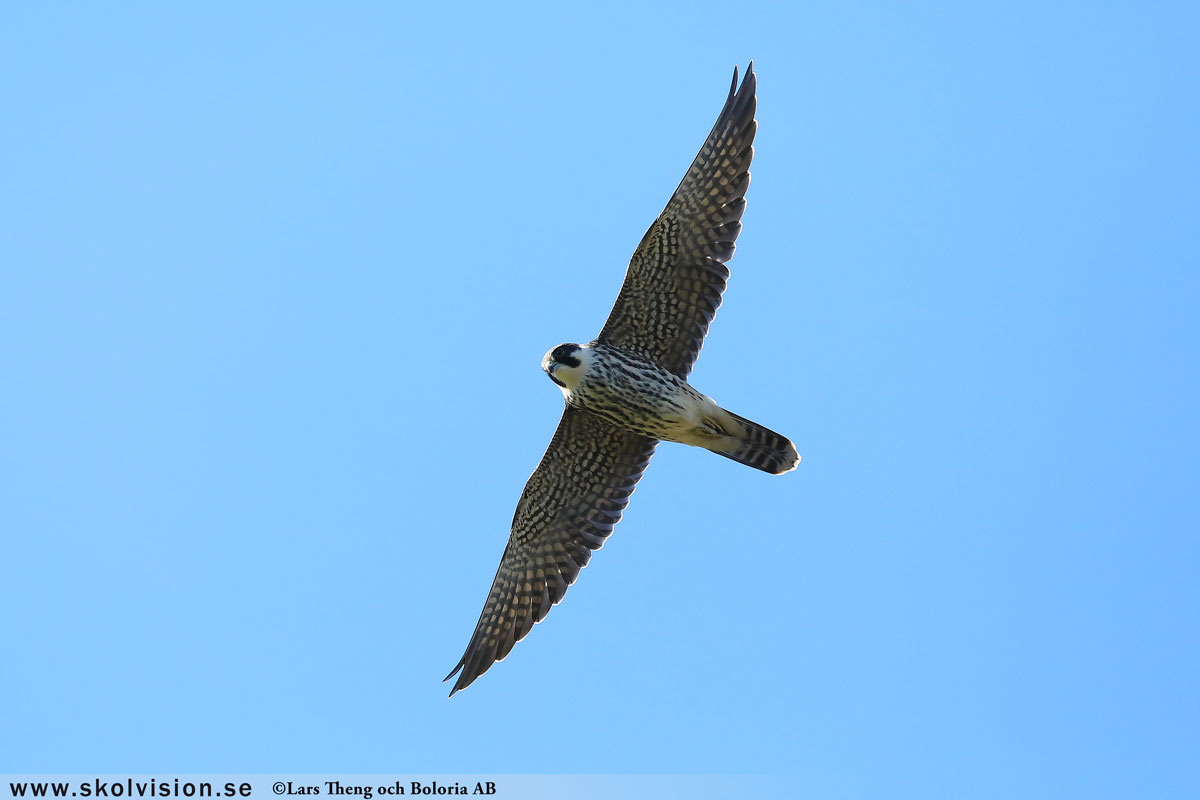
(755, 446)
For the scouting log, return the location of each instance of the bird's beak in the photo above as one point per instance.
(553, 365)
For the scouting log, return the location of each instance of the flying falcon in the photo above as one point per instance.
(627, 390)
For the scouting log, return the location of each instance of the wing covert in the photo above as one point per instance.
(675, 278)
(568, 508)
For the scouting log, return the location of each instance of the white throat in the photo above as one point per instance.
(571, 376)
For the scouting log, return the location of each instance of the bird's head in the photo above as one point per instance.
(566, 364)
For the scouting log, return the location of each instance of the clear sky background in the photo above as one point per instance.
(276, 281)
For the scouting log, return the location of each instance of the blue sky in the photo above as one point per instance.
(276, 283)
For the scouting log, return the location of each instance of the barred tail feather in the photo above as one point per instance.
(757, 447)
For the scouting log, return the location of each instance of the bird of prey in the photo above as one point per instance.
(627, 390)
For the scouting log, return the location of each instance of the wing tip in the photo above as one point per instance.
(746, 93)
(749, 81)
(750, 78)
(454, 672)
(741, 100)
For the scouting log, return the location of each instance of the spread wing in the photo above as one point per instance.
(674, 281)
(568, 508)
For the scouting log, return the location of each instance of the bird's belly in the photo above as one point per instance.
(651, 403)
